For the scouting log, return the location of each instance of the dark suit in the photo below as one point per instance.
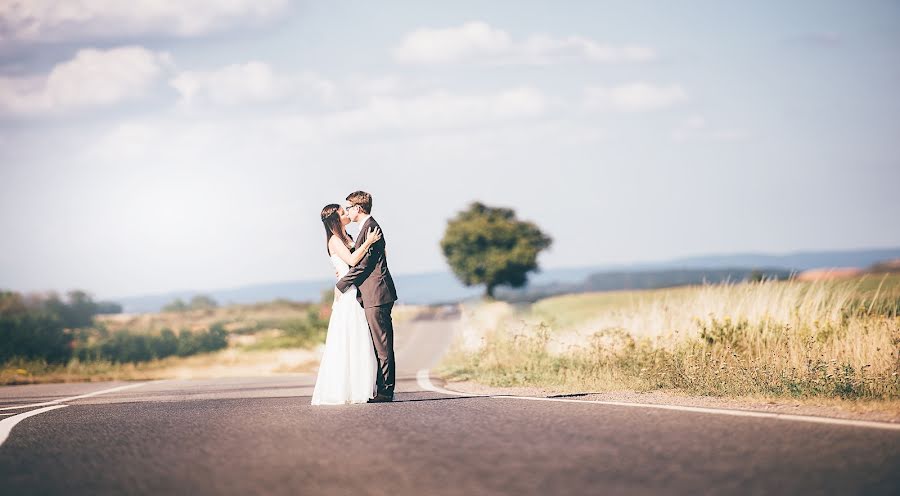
(376, 295)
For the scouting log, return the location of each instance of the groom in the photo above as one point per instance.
(376, 292)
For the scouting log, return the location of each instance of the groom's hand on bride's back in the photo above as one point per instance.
(373, 236)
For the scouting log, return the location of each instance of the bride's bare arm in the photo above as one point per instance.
(372, 237)
(343, 252)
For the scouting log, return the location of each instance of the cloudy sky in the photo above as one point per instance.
(158, 145)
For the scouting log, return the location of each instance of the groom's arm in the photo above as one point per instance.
(342, 285)
(356, 275)
(363, 268)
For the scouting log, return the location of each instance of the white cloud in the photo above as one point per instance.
(365, 86)
(54, 20)
(251, 82)
(546, 49)
(478, 41)
(432, 111)
(471, 40)
(428, 114)
(91, 78)
(634, 97)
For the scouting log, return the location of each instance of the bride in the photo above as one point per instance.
(348, 367)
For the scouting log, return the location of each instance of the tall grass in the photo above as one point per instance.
(768, 338)
(660, 313)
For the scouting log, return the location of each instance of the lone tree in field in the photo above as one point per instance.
(486, 245)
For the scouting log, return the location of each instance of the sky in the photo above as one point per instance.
(152, 146)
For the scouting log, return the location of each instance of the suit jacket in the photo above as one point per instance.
(371, 275)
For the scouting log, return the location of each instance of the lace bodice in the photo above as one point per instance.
(340, 265)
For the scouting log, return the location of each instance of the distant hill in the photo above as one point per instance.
(793, 261)
(640, 279)
(429, 288)
(886, 266)
(443, 287)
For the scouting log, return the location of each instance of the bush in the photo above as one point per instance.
(108, 307)
(198, 302)
(176, 306)
(203, 302)
(33, 335)
(166, 345)
(44, 326)
(295, 333)
(127, 347)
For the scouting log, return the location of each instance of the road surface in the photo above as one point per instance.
(260, 436)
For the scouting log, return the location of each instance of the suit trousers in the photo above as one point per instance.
(382, 329)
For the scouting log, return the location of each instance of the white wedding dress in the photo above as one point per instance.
(348, 367)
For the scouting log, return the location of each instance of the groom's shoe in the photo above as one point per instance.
(381, 398)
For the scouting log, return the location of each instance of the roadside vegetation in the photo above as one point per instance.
(45, 338)
(826, 339)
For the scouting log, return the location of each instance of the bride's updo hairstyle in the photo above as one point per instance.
(333, 227)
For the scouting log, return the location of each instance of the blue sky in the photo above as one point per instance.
(176, 145)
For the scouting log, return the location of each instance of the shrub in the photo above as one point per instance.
(30, 330)
(33, 335)
(127, 347)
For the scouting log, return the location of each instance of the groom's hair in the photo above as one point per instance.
(363, 199)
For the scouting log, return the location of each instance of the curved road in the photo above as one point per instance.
(260, 436)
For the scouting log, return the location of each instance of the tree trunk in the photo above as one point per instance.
(489, 292)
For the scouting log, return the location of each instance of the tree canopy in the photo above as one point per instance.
(490, 246)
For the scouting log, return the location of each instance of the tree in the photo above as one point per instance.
(487, 245)
(31, 332)
(108, 307)
(81, 310)
(77, 313)
(202, 302)
(176, 306)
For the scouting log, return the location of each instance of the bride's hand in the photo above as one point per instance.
(373, 236)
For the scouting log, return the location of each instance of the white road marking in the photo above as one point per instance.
(88, 395)
(724, 411)
(7, 424)
(424, 380)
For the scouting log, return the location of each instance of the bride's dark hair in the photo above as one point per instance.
(333, 226)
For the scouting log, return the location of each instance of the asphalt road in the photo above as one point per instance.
(260, 436)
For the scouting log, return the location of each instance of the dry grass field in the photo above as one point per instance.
(823, 339)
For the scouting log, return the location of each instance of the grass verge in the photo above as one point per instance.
(769, 339)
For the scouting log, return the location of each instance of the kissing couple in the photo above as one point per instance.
(358, 362)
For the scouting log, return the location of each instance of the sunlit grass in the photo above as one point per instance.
(825, 339)
(664, 311)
